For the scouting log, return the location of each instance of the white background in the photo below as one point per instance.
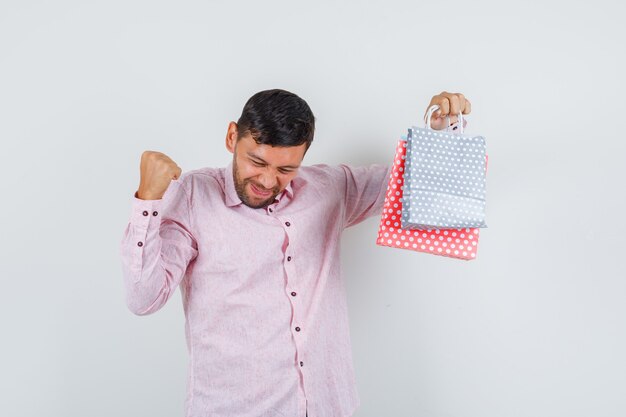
(534, 327)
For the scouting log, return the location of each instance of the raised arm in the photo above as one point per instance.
(157, 243)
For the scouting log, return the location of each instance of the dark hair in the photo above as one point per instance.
(277, 118)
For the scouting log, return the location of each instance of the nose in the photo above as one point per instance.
(267, 180)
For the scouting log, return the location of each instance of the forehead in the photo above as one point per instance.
(273, 155)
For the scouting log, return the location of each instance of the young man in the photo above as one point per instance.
(254, 248)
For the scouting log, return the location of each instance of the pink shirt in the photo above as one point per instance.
(265, 305)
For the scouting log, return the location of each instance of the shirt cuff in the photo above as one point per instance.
(144, 210)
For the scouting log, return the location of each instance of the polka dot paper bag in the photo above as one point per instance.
(444, 179)
(455, 243)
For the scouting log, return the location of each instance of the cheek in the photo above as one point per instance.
(247, 171)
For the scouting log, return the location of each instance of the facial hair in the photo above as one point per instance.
(240, 187)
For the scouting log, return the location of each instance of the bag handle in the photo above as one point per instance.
(433, 109)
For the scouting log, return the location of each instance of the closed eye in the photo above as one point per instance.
(256, 163)
(263, 164)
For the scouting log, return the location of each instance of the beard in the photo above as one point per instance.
(240, 187)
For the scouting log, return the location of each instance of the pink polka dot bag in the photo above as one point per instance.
(454, 243)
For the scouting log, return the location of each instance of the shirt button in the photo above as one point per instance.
(140, 244)
(293, 293)
(154, 213)
(301, 363)
(288, 224)
(288, 258)
(297, 329)
(145, 213)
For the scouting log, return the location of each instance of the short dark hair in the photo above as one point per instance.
(277, 118)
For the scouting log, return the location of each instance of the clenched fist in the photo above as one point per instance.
(157, 171)
(450, 104)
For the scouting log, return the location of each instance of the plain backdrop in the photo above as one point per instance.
(535, 326)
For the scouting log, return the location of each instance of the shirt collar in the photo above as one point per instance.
(232, 199)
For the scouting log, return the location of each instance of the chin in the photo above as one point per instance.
(256, 205)
(257, 202)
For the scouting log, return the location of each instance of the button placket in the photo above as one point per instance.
(288, 227)
(289, 259)
(298, 345)
(272, 207)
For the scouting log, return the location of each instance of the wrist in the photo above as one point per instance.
(147, 195)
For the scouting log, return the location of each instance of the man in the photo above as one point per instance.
(254, 248)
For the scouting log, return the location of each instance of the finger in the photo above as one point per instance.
(454, 103)
(461, 103)
(444, 106)
(468, 107)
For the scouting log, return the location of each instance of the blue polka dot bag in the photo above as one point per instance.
(444, 178)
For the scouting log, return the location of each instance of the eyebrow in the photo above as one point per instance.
(251, 155)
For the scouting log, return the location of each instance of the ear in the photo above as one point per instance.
(231, 137)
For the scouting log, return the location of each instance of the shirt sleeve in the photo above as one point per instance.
(156, 248)
(365, 189)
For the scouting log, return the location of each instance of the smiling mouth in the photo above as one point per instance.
(259, 192)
